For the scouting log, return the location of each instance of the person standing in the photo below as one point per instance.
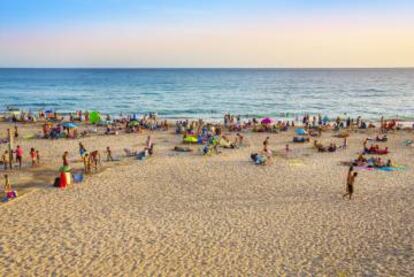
(350, 183)
(19, 155)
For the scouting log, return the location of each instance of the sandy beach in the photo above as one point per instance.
(184, 214)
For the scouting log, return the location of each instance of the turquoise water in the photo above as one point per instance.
(209, 93)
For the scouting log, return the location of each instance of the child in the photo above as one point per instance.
(37, 157)
(109, 154)
(287, 149)
(5, 158)
(8, 189)
(33, 156)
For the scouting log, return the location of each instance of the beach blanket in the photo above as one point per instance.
(393, 168)
(408, 142)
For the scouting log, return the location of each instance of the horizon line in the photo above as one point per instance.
(206, 68)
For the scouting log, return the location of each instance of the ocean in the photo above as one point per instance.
(209, 93)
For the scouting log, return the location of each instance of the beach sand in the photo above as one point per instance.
(184, 214)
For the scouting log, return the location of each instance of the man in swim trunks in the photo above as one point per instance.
(350, 183)
(94, 160)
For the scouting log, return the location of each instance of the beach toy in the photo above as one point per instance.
(94, 117)
(301, 132)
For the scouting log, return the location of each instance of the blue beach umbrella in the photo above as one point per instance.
(70, 125)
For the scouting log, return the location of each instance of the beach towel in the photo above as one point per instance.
(393, 168)
(408, 142)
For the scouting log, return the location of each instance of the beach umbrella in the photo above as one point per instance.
(94, 117)
(267, 120)
(301, 132)
(133, 123)
(70, 125)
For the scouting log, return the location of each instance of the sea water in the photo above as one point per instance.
(209, 93)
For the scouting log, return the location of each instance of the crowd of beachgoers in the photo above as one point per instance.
(257, 196)
(210, 136)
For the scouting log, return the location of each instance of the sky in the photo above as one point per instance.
(210, 33)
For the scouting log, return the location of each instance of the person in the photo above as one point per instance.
(7, 186)
(239, 139)
(33, 156)
(350, 183)
(266, 142)
(16, 132)
(287, 149)
(87, 163)
(332, 147)
(94, 160)
(345, 143)
(5, 159)
(148, 143)
(8, 191)
(82, 150)
(65, 175)
(37, 157)
(268, 153)
(19, 155)
(65, 158)
(109, 154)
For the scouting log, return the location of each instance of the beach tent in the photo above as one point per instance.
(94, 117)
(267, 120)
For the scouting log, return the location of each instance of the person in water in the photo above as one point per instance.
(350, 183)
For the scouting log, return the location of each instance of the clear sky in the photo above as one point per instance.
(206, 33)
